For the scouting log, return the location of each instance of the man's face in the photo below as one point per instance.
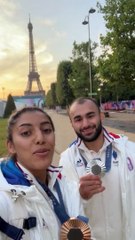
(86, 120)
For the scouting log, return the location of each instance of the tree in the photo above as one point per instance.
(117, 61)
(53, 93)
(63, 90)
(10, 106)
(79, 78)
(49, 100)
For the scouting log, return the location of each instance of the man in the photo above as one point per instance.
(104, 166)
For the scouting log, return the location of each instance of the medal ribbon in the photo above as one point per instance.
(108, 158)
(59, 208)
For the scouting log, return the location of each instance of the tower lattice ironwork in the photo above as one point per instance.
(33, 73)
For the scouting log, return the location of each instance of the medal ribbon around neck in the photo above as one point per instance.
(71, 227)
(101, 168)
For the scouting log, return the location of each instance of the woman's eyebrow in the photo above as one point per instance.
(29, 124)
(25, 124)
(45, 123)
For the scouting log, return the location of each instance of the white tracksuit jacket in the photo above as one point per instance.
(33, 201)
(112, 212)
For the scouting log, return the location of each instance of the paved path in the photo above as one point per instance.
(65, 134)
(121, 121)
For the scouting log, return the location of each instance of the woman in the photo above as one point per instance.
(34, 197)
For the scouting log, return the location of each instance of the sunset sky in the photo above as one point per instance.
(56, 25)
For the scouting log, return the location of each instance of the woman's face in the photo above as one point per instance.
(33, 141)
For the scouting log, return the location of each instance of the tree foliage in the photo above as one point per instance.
(49, 100)
(117, 61)
(114, 69)
(10, 106)
(79, 78)
(63, 90)
(53, 94)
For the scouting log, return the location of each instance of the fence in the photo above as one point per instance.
(128, 105)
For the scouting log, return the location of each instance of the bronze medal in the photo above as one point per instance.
(75, 229)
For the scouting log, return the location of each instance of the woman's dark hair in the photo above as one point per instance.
(15, 115)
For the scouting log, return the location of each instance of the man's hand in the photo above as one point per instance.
(89, 185)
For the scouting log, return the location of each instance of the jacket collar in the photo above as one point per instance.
(108, 138)
(16, 174)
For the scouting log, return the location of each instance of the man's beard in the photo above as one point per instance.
(93, 137)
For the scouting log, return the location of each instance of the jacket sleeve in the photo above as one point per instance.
(4, 206)
(71, 197)
(4, 212)
(67, 161)
(3, 236)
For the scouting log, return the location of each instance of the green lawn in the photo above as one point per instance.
(3, 126)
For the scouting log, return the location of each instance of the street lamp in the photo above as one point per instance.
(85, 22)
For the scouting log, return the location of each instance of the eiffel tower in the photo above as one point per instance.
(33, 73)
